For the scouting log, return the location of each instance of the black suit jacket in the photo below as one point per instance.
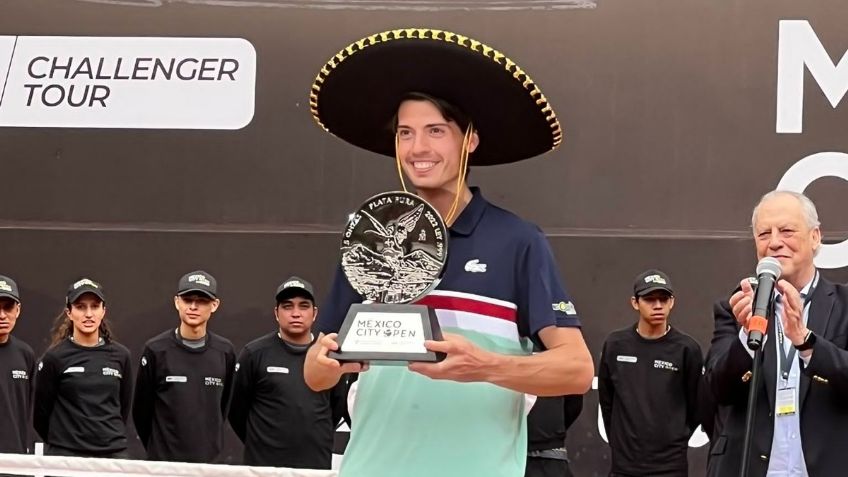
(823, 393)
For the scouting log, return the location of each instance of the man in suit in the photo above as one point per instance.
(802, 406)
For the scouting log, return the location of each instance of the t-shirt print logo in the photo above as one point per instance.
(210, 381)
(112, 372)
(74, 369)
(626, 359)
(474, 266)
(19, 374)
(660, 364)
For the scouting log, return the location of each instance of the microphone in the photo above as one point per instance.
(768, 271)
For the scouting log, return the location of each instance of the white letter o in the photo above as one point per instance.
(803, 173)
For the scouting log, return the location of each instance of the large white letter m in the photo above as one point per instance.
(798, 46)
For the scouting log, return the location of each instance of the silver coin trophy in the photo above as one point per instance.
(394, 250)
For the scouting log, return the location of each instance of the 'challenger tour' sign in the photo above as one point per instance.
(126, 82)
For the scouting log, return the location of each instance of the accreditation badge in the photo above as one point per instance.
(786, 401)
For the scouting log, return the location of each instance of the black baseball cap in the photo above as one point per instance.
(650, 281)
(83, 286)
(295, 286)
(9, 289)
(198, 282)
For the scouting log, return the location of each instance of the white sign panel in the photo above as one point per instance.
(127, 82)
(386, 333)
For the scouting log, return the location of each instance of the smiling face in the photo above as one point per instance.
(781, 231)
(429, 146)
(86, 314)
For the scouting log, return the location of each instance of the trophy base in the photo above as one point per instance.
(388, 334)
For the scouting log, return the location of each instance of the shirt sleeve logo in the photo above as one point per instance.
(565, 307)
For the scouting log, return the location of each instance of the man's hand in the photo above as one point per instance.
(322, 372)
(742, 303)
(792, 317)
(465, 362)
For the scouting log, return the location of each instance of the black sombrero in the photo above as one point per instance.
(357, 93)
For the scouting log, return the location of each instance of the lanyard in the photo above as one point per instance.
(787, 358)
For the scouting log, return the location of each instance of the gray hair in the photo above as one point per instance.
(808, 208)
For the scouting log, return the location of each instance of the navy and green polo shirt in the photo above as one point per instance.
(500, 287)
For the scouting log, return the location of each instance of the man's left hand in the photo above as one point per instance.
(792, 318)
(465, 361)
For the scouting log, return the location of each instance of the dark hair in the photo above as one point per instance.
(64, 329)
(447, 110)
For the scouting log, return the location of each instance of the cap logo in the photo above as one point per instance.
(199, 279)
(5, 286)
(85, 281)
(655, 279)
(294, 283)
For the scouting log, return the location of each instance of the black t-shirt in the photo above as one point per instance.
(17, 375)
(182, 396)
(83, 396)
(648, 391)
(281, 421)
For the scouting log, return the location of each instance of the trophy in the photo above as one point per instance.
(394, 250)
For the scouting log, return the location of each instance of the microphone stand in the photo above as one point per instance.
(750, 415)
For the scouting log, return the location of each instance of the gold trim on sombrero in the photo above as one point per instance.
(449, 37)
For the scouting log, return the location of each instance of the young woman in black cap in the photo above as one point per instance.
(83, 386)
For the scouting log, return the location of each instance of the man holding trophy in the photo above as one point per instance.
(462, 322)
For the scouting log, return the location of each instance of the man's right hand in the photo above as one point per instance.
(742, 303)
(322, 372)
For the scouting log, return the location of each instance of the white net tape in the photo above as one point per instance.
(90, 467)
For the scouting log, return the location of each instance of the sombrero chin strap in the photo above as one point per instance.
(397, 162)
(460, 178)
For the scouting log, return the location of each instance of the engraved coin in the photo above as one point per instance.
(394, 248)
